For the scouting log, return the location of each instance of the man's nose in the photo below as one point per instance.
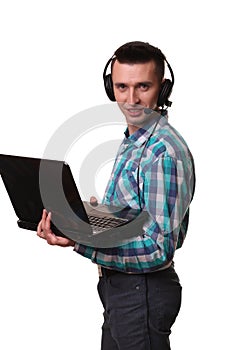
(132, 97)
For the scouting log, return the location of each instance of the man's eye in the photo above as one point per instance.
(143, 86)
(121, 86)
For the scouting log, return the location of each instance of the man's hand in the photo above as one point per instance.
(44, 231)
(93, 201)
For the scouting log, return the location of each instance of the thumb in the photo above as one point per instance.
(93, 201)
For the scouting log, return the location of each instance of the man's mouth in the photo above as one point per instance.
(134, 112)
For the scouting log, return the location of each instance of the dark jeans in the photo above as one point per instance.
(139, 310)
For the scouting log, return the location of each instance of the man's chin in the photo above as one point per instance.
(137, 120)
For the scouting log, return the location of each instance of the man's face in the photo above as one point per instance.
(136, 87)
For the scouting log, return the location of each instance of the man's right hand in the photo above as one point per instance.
(44, 231)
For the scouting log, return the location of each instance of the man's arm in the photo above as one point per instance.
(167, 192)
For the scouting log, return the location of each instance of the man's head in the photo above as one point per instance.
(137, 80)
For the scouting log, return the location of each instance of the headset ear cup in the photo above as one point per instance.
(109, 87)
(165, 92)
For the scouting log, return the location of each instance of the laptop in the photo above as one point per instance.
(33, 184)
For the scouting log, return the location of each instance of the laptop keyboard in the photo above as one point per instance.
(106, 222)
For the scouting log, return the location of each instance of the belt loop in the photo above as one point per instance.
(100, 271)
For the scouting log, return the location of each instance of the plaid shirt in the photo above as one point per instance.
(166, 183)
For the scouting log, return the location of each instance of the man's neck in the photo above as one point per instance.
(132, 129)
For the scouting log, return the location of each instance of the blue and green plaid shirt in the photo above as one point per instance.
(166, 183)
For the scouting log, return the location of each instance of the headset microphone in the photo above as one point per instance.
(148, 111)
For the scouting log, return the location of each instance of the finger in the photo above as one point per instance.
(39, 228)
(44, 215)
(48, 222)
(93, 201)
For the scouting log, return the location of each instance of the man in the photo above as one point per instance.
(153, 171)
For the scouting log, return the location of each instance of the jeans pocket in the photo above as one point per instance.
(165, 308)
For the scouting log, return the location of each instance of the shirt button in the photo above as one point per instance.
(137, 287)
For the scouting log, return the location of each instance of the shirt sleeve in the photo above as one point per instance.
(167, 191)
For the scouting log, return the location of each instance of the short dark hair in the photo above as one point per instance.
(140, 52)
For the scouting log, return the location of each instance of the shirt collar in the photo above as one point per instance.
(141, 135)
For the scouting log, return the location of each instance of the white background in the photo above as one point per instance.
(51, 62)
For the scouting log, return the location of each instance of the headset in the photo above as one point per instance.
(165, 90)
